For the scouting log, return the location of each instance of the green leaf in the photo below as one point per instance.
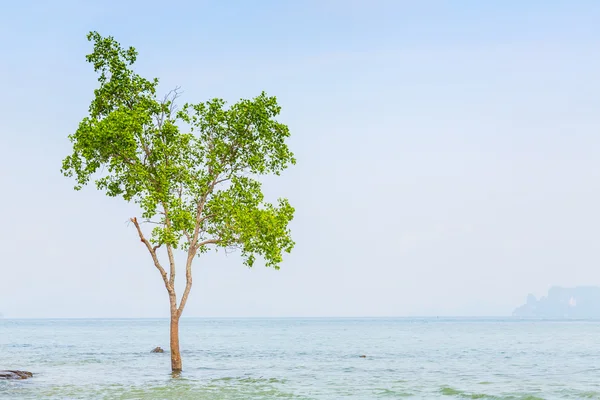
(193, 172)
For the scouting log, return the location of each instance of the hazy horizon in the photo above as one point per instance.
(448, 154)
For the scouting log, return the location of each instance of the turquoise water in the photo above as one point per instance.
(304, 359)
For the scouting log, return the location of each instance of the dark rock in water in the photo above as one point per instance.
(157, 350)
(11, 374)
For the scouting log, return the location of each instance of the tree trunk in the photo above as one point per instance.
(175, 354)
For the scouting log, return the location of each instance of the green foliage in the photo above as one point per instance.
(194, 172)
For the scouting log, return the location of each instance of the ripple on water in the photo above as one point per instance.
(304, 359)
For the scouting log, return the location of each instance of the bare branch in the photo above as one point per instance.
(204, 218)
(232, 248)
(206, 242)
(187, 236)
(152, 251)
(194, 245)
(188, 271)
(171, 265)
(169, 98)
(147, 221)
(174, 95)
(222, 180)
(188, 280)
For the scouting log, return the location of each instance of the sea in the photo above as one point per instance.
(405, 358)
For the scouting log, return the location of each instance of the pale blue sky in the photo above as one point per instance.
(448, 153)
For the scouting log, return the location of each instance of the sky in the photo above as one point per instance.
(448, 154)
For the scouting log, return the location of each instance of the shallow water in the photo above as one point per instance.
(304, 359)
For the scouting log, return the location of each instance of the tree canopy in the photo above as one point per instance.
(194, 171)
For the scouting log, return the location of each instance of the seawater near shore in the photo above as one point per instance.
(304, 359)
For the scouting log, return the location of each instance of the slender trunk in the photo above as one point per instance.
(175, 354)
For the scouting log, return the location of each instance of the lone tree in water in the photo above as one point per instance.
(193, 171)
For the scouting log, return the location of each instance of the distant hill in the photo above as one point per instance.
(578, 302)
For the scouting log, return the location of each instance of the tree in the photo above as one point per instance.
(194, 171)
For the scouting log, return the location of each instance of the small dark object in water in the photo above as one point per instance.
(157, 350)
(363, 356)
(11, 374)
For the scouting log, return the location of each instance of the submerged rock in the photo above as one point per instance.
(12, 374)
(158, 350)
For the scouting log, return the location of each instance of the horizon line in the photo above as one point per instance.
(268, 317)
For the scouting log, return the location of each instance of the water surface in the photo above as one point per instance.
(304, 359)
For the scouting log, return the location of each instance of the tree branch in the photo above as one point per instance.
(171, 265)
(208, 241)
(206, 217)
(152, 251)
(164, 112)
(188, 279)
(169, 248)
(188, 272)
(194, 245)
